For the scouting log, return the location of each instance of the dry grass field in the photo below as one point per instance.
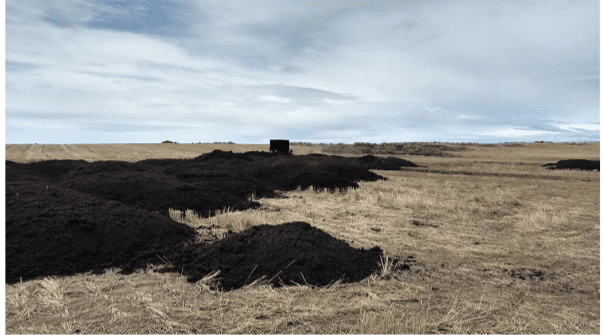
(500, 244)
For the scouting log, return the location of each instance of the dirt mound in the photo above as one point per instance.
(387, 163)
(580, 164)
(64, 217)
(14, 172)
(219, 154)
(289, 253)
(52, 230)
(323, 171)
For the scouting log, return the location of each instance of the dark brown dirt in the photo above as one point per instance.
(289, 253)
(578, 164)
(65, 217)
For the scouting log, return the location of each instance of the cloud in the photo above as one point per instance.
(467, 117)
(274, 99)
(515, 133)
(346, 71)
(578, 128)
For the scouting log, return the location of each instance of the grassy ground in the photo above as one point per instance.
(510, 248)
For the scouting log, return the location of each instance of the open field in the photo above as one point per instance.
(500, 245)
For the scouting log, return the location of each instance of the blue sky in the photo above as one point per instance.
(132, 71)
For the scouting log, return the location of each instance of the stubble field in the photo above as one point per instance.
(496, 243)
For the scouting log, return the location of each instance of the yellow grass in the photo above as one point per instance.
(25, 153)
(512, 249)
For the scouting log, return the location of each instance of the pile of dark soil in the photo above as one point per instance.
(286, 254)
(52, 230)
(579, 164)
(65, 217)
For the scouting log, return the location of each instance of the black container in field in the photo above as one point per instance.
(281, 146)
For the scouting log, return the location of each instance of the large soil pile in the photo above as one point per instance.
(65, 217)
(289, 253)
(52, 230)
(579, 164)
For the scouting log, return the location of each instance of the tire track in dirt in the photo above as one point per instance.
(27, 152)
(71, 152)
(504, 175)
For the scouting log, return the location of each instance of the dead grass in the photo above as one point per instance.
(494, 254)
(26, 153)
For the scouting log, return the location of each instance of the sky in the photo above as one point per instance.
(145, 71)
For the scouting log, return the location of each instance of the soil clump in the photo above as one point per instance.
(70, 216)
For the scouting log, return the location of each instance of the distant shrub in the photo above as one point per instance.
(514, 144)
(302, 144)
(412, 148)
(168, 141)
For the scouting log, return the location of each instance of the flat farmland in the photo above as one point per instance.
(492, 242)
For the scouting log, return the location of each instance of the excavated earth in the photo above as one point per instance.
(70, 216)
(578, 164)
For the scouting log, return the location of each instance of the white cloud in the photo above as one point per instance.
(465, 116)
(514, 132)
(482, 64)
(579, 127)
(433, 109)
(274, 99)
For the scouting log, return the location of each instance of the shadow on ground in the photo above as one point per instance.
(67, 216)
